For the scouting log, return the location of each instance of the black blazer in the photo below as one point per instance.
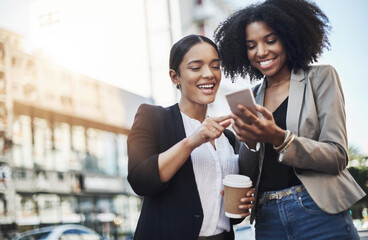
(170, 210)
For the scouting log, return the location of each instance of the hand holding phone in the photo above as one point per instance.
(244, 97)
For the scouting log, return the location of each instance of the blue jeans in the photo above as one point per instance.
(298, 217)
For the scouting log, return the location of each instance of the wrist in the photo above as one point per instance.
(280, 137)
(289, 137)
(190, 143)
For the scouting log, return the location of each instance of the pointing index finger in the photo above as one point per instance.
(222, 118)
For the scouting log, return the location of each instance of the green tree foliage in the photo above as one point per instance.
(358, 167)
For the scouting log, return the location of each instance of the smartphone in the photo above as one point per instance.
(244, 97)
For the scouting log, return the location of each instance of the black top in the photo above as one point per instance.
(275, 175)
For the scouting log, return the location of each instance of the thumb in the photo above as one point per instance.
(264, 111)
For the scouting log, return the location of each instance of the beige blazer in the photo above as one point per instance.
(316, 115)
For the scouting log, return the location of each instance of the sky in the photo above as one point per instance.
(349, 47)
(348, 53)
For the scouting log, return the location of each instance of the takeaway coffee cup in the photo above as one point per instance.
(235, 187)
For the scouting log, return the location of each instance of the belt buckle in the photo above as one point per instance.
(300, 189)
(279, 195)
(274, 196)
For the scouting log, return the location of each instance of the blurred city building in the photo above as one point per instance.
(125, 43)
(63, 156)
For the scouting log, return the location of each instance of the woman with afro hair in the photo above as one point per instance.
(295, 147)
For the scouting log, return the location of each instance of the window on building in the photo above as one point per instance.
(22, 142)
(42, 149)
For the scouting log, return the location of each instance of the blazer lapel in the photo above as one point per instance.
(296, 96)
(178, 123)
(259, 98)
(179, 132)
(186, 172)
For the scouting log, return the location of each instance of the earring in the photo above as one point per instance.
(177, 86)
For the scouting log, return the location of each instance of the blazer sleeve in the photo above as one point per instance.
(143, 151)
(328, 152)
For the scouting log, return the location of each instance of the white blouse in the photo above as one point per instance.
(210, 166)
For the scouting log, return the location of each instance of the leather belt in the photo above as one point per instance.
(220, 236)
(280, 194)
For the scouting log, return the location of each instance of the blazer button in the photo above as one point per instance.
(196, 216)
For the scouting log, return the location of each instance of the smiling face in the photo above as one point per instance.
(200, 75)
(265, 51)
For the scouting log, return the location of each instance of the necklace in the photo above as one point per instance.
(278, 83)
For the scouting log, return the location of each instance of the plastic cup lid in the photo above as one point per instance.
(236, 180)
